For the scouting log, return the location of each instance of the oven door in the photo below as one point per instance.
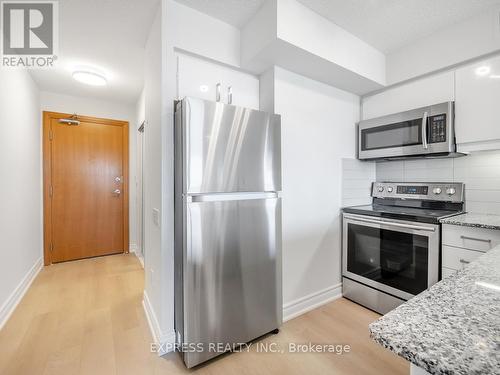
(422, 131)
(398, 257)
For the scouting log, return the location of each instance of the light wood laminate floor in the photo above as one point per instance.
(86, 317)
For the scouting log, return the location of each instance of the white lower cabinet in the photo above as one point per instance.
(456, 258)
(461, 245)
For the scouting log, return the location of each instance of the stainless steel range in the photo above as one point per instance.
(391, 249)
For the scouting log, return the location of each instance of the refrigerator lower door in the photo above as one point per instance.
(232, 272)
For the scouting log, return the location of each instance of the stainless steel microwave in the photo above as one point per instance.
(427, 132)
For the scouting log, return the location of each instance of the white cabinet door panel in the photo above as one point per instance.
(198, 78)
(477, 109)
(435, 89)
(478, 239)
(456, 258)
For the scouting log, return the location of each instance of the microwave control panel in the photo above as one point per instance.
(437, 128)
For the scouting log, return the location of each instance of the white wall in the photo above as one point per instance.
(193, 72)
(479, 171)
(463, 41)
(317, 132)
(140, 117)
(357, 179)
(140, 109)
(306, 29)
(85, 106)
(154, 288)
(21, 183)
(198, 33)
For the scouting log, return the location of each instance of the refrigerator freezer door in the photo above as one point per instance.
(229, 149)
(232, 273)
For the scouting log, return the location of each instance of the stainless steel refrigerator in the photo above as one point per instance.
(227, 227)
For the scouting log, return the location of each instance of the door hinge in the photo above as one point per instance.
(51, 191)
(51, 247)
(51, 136)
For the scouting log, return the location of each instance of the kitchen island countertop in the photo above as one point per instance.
(452, 328)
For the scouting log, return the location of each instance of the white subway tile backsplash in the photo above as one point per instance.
(361, 174)
(429, 163)
(481, 183)
(429, 174)
(357, 178)
(480, 172)
(482, 207)
(482, 159)
(483, 195)
(476, 171)
(347, 202)
(357, 191)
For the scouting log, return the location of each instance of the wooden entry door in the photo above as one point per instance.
(85, 187)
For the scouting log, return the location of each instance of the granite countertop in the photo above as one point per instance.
(452, 328)
(474, 220)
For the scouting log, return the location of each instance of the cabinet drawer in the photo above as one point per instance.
(478, 239)
(457, 258)
(445, 272)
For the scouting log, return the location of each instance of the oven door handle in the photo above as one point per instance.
(392, 224)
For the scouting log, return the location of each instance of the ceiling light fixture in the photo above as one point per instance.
(90, 78)
(483, 70)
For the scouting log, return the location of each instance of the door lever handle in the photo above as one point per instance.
(117, 191)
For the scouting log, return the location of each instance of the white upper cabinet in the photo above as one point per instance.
(431, 90)
(198, 78)
(477, 109)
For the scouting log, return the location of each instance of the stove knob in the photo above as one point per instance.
(380, 189)
(390, 189)
(450, 191)
(437, 190)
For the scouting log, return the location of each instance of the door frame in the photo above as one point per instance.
(47, 174)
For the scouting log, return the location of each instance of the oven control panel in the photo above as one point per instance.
(449, 192)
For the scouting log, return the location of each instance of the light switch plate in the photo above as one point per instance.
(156, 216)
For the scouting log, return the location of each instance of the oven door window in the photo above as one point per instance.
(406, 133)
(396, 259)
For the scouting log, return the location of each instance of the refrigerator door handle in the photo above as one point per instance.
(230, 196)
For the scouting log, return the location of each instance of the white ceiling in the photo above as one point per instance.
(233, 12)
(107, 35)
(385, 24)
(391, 24)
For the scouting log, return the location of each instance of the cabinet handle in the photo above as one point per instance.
(217, 92)
(463, 261)
(475, 239)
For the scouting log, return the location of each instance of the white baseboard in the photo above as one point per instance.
(17, 295)
(134, 249)
(164, 341)
(310, 302)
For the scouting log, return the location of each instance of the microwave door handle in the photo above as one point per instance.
(424, 131)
